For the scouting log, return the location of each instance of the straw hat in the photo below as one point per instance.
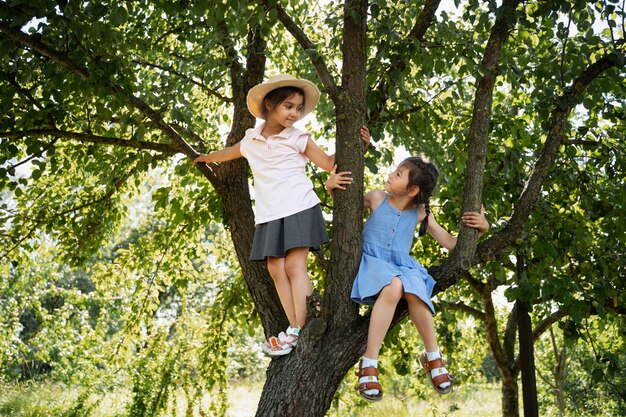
(259, 91)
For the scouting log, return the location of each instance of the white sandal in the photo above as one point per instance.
(281, 345)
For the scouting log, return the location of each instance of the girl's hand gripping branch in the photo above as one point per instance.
(202, 158)
(337, 180)
(226, 154)
(476, 220)
(365, 136)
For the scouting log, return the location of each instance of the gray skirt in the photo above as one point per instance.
(305, 229)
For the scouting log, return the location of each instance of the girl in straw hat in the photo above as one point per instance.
(288, 216)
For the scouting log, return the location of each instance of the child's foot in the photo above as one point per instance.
(437, 373)
(283, 344)
(369, 388)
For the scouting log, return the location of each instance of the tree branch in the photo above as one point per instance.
(494, 245)
(417, 33)
(478, 138)
(21, 38)
(350, 110)
(423, 21)
(42, 214)
(19, 11)
(253, 75)
(510, 334)
(167, 149)
(476, 284)
(185, 77)
(29, 97)
(33, 156)
(459, 306)
(462, 256)
(413, 109)
(73, 67)
(308, 46)
(548, 321)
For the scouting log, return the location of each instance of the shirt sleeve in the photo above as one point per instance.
(302, 140)
(243, 146)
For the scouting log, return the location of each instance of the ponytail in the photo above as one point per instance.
(424, 225)
(423, 174)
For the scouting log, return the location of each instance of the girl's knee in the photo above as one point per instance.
(416, 303)
(276, 268)
(295, 263)
(294, 269)
(395, 289)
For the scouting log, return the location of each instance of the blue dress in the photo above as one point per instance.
(387, 240)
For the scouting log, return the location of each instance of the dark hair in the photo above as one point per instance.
(278, 95)
(424, 174)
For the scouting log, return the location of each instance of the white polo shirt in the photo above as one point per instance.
(281, 187)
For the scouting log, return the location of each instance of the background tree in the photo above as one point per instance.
(520, 104)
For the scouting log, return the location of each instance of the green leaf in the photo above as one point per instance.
(118, 16)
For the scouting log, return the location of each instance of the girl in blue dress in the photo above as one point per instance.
(388, 273)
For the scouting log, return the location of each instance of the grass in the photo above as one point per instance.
(468, 400)
(45, 399)
(34, 400)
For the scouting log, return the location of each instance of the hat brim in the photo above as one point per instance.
(259, 91)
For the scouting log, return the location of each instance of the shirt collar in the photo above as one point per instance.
(255, 132)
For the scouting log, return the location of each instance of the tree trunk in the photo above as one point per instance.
(527, 361)
(559, 379)
(304, 382)
(559, 371)
(510, 397)
(526, 346)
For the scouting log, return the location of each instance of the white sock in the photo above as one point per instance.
(431, 356)
(367, 363)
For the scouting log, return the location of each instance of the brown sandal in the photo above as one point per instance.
(371, 373)
(428, 366)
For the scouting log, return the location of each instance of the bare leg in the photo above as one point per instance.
(381, 317)
(276, 268)
(422, 318)
(301, 287)
(380, 320)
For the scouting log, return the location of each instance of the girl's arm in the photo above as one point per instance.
(339, 180)
(440, 234)
(226, 154)
(325, 161)
(319, 157)
(470, 219)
